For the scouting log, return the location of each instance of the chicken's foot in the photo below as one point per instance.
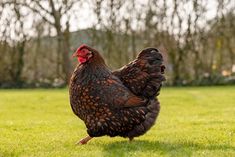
(84, 140)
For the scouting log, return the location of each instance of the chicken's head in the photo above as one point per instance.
(83, 54)
(86, 54)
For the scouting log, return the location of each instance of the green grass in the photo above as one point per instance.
(196, 121)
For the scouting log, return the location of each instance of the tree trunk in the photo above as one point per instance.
(63, 51)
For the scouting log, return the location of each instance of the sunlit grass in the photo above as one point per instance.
(198, 121)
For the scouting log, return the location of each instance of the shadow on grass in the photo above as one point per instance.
(125, 148)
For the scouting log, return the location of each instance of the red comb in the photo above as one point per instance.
(82, 46)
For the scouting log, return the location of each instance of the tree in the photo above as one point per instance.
(53, 12)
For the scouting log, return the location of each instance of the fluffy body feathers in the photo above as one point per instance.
(119, 103)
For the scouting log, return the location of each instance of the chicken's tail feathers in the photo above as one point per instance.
(144, 75)
(155, 68)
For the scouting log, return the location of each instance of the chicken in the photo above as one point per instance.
(119, 103)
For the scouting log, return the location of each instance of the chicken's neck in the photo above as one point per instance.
(87, 73)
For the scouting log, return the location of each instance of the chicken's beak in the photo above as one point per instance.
(75, 54)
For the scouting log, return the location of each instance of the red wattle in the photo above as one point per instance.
(82, 60)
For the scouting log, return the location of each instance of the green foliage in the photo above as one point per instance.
(193, 122)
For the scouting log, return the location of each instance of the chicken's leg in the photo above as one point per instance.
(131, 139)
(84, 140)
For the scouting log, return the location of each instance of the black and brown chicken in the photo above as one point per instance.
(116, 103)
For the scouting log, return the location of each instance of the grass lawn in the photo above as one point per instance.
(195, 121)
